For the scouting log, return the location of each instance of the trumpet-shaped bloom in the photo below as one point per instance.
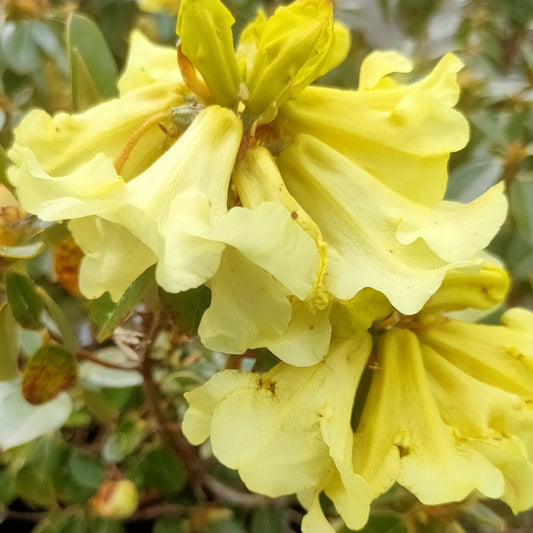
(400, 134)
(448, 410)
(378, 238)
(256, 184)
(288, 430)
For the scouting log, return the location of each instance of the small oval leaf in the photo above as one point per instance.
(50, 371)
(23, 300)
(107, 315)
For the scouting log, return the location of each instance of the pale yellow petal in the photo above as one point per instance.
(113, 260)
(148, 63)
(63, 143)
(402, 135)
(501, 356)
(248, 307)
(363, 223)
(270, 428)
(401, 436)
(294, 46)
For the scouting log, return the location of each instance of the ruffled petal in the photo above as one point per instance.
(363, 223)
(501, 356)
(402, 437)
(400, 134)
(271, 427)
(64, 143)
(248, 307)
(113, 260)
(495, 423)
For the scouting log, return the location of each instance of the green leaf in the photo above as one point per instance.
(9, 345)
(224, 526)
(382, 524)
(92, 67)
(101, 525)
(25, 304)
(64, 521)
(471, 179)
(22, 422)
(33, 481)
(269, 520)
(19, 50)
(521, 201)
(187, 308)
(168, 525)
(50, 371)
(64, 325)
(86, 470)
(128, 435)
(94, 375)
(164, 471)
(107, 315)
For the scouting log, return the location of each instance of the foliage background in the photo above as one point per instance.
(65, 55)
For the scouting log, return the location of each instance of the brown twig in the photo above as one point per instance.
(86, 355)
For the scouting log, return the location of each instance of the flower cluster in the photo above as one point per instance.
(316, 217)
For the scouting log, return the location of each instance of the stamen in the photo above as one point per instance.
(137, 134)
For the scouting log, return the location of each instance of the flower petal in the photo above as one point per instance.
(495, 423)
(248, 307)
(211, 49)
(400, 134)
(148, 63)
(291, 54)
(113, 260)
(401, 436)
(360, 218)
(268, 426)
(64, 143)
(501, 356)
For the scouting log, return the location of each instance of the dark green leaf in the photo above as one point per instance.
(163, 470)
(107, 315)
(187, 308)
(50, 371)
(85, 469)
(25, 304)
(269, 520)
(101, 525)
(9, 345)
(64, 521)
(382, 524)
(92, 67)
(169, 525)
(224, 526)
(64, 325)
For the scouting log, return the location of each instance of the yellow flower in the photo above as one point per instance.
(448, 409)
(256, 184)
(288, 430)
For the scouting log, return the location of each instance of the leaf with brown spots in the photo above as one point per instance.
(50, 371)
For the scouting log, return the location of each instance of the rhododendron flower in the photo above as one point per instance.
(448, 409)
(244, 191)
